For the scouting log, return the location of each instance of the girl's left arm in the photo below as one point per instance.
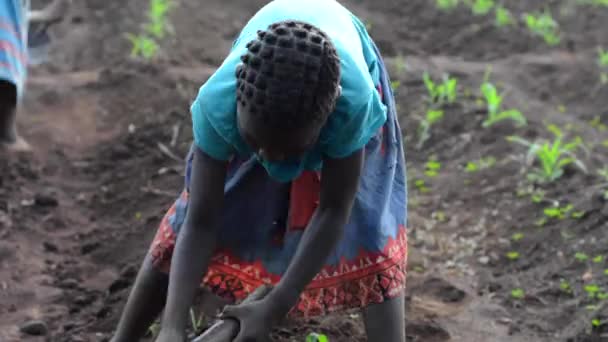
(339, 184)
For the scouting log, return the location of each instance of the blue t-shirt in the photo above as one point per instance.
(359, 111)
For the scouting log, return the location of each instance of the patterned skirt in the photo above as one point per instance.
(263, 222)
(13, 42)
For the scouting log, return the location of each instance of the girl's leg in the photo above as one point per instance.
(8, 107)
(386, 321)
(145, 303)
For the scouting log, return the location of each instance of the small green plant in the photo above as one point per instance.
(577, 214)
(421, 186)
(446, 4)
(517, 237)
(395, 85)
(596, 322)
(142, 46)
(157, 25)
(424, 128)
(553, 156)
(439, 216)
(481, 164)
(482, 7)
(602, 57)
(543, 24)
(565, 286)
(592, 290)
(154, 330)
(441, 93)
(512, 255)
(518, 293)
(602, 61)
(557, 212)
(314, 337)
(432, 167)
(145, 43)
(503, 17)
(598, 259)
(581, 257)
(493, 102)
(197, 322)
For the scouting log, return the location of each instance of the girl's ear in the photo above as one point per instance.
(339, 91)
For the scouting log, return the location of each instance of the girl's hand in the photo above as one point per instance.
(256, 320)
(170, 335)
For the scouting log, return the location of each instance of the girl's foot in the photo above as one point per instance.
(19, 145)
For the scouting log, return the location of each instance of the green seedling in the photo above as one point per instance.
(395, 85)
(197, 322)
(439, 216)
(154, 330)
(482, 7)
(314, 337)
(602, 57)
(512, 255)
(157, 16)
(556, 212)
(518, 294)
(142, 46)
(421, 186)
(517, 237)
(145, 43)
(441, 93)
(565, 286)
(493, 102)
(432, 167)
(541, 222)
(545, 26)
(537, 196)
(503, 17)
(446, 4)
(581, 257)
(481, 164)
(598, 259)
(424, 129)
(592, 290)
(553, 156)
(577, 214)
(596, 322)
(602, 61)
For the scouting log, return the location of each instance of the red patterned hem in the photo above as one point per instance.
(370, 278)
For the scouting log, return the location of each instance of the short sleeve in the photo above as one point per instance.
(359, 112)
(350, 131)
(214, 109)
(207, 138)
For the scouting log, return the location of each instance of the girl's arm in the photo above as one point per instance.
(197, 239)
(339, 184)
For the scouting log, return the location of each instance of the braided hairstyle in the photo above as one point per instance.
(289, 76)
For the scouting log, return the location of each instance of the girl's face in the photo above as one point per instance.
(272, 145)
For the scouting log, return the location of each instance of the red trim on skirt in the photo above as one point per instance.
(367, 279)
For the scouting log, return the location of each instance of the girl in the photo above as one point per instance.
(296, 178)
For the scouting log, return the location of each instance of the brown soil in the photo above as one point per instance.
(77, 215)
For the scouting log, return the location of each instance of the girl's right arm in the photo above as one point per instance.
(196, 241)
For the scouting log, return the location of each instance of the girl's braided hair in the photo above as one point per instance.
(290, 76)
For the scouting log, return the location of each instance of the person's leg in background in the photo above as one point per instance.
(8, 108)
